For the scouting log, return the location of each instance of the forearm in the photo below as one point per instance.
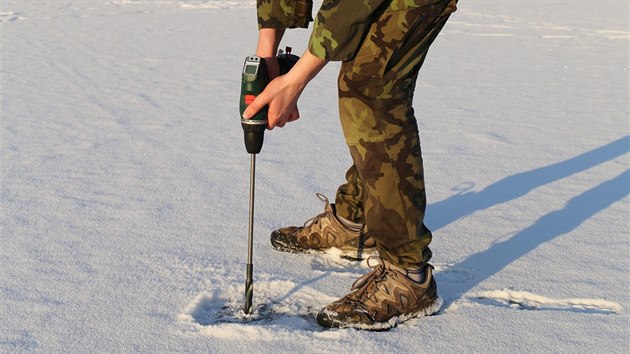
(306, 69)
(268, 42)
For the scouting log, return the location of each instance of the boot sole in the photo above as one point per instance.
(352, 254)
(381, 326)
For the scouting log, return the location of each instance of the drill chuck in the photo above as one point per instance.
(254, 136)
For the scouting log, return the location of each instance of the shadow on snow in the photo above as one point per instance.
(554, 224)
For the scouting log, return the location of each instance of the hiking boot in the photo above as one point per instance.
(323, 233)
(382, 299)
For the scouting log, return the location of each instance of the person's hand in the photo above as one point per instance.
(281, 94)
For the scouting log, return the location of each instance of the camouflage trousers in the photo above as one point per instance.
(384, 187)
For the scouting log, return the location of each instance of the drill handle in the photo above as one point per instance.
(253, 81)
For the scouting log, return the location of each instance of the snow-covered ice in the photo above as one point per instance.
(125, 183)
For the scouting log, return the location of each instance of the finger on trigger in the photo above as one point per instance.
(254, 106)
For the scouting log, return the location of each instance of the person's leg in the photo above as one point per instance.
(375, 105)
(385, 186)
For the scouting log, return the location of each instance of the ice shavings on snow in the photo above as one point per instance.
(280, 306)
(527, 300)
(332, 262)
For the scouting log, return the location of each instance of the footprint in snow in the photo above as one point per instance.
(10, 16)
(524, 300)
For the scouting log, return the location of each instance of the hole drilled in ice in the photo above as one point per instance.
(276, 304)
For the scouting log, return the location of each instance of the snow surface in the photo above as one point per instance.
(125, 183)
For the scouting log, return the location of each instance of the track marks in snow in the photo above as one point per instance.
(529, 301)
(524, 300)
(10, 16)
(612, 34)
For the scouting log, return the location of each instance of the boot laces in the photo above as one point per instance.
(327, 211)
(368, 284)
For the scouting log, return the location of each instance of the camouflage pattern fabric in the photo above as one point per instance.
(385, 186)
(284, 13)
(383, 44)
(340, 25)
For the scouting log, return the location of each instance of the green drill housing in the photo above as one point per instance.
(253, 81)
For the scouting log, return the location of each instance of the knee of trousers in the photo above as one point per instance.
(375, 110)
(382, 134)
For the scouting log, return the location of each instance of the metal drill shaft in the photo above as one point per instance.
(249, 282)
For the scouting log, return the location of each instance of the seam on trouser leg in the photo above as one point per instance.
(388, 149)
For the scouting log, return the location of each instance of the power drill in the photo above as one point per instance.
(253, 81)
